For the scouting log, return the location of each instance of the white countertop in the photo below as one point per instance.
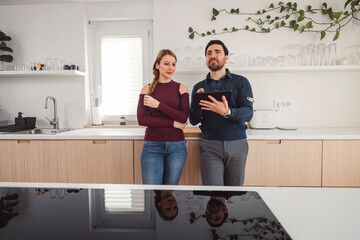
(305, 213)
(138, 133)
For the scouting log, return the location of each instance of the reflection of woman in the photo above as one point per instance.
(164, 108)
(166, 204)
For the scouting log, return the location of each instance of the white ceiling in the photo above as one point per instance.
(27, 2)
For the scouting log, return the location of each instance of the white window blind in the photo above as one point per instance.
(122, 74)
(124, 200)
(119, 58)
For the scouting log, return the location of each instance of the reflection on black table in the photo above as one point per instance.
(28, 213)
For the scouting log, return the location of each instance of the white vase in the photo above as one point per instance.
(2, 66)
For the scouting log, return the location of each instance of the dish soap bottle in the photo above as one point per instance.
(19, 120)
(122, 120)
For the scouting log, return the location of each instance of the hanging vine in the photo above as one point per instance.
(288, 15)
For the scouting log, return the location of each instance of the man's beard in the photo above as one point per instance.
(216, 67)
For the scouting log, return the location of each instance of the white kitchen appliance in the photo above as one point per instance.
(264, 119)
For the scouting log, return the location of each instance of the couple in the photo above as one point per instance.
(164, 108)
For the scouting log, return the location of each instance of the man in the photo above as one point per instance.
(223, 144)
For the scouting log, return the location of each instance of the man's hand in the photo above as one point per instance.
(219, 107)
(179, 125)
(149, 101)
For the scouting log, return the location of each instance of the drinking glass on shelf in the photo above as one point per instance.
(347, 59)
(199, 60)
(292, 55)
(357, 59)
(321, 54)
(230, 63)
(280, 61)
(297, 54)
(179, 55)
(310, 54)
(188, 58)
(259, 62)
(270, 61)
(245, 61)
(57, 64)
(303, 53)
(49, 64)
(17, 67)
(332, 54)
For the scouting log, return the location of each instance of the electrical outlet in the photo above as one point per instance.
(282, 103)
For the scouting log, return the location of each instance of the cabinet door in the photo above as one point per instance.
(138, 145)
(341, 166)
(191, 174)
(100, 161)
(13, 154)
(46, 161)
(284, 163)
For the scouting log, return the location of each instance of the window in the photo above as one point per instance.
(120, 66)
(124, 200)
(121, 208)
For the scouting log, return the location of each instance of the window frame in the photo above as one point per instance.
(103, 219)
(123, 28)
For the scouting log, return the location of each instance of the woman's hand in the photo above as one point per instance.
(149, 101)
(200, 90)
(179, 125)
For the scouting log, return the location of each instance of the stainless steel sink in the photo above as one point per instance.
(46, 131)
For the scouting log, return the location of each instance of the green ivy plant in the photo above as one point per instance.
(3, 39)
(288, 15)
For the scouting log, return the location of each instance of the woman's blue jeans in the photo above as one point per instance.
(162, 162)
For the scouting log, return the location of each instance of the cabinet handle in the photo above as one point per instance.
(273, 141)
(23, 141)
(99, 141)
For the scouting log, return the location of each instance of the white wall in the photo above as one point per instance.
(55, 30)
(321, 99)
(59, 30)
(39, 32)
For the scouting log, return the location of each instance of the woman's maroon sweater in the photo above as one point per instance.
(160, 121)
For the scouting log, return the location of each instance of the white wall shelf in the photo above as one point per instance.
(60, 73)
(276, 69)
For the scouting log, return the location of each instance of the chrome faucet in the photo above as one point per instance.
(55, 121)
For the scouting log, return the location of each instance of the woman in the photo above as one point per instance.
(166, 204)
(164, 108)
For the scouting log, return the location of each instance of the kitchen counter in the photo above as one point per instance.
(305, 213)
(193, 133)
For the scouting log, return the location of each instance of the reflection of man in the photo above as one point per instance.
(166, 204)
(223, 144)
(216, 210)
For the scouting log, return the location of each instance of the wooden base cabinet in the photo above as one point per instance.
(33, 161)
(100, 161)
(13, 155)
(191, 174)
(341, 167)
(284, 163)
